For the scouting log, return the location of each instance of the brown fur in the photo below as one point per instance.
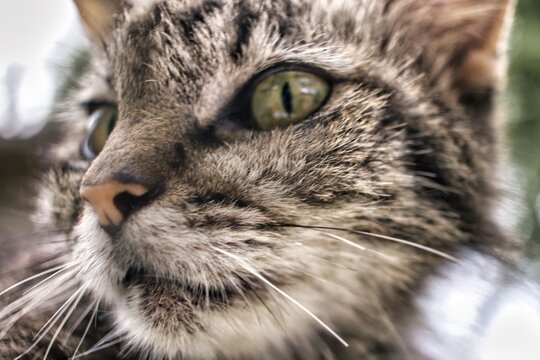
(405, 148)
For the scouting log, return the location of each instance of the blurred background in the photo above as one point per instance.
(37, 39)
(524, 126)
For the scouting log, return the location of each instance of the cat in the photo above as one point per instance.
(261, 179)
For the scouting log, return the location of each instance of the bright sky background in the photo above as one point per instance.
(35, 36)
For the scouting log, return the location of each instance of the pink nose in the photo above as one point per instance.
(104, 198)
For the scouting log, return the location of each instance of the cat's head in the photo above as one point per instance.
(248, 166)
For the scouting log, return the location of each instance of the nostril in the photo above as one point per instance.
(113, 201)
(127, 203)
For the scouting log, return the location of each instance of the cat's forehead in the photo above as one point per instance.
(210, 32)
(180, 48)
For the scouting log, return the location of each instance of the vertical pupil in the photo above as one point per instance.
(286, 98)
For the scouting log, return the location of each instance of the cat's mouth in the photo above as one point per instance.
(197, 294)
(133, 275)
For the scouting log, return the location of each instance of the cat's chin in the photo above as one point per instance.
(159, 288)
(160, 317)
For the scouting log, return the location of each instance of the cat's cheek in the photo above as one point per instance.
(44, 212)
(92, 254)
(58, 203)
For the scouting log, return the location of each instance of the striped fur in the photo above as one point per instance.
(405, 149)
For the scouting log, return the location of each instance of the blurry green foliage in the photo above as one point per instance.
(524, 129)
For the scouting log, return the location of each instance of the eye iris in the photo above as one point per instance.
(102, 123)
(286, 98)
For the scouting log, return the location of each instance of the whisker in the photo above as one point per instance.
(57, 314)
(50, 277)
(44, 333)
(66, 318)
(281, 292)
(61, 268)
(99, 348)
(279, 318)
(18, 309)
(382, 237)
(412, 244)
(94, 315)
(60, 256)
(105, 342)
(363, 248)
(81, 318)
(386, 318)
(33, 296)
(109, 337)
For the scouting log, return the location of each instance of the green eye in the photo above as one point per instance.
(102, 122)
(288, 97)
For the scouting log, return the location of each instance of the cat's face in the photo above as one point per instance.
(382, 150)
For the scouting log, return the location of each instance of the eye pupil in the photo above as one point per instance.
(286, 98)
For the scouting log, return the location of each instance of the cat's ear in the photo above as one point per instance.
(462, 42)
(98, 16)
